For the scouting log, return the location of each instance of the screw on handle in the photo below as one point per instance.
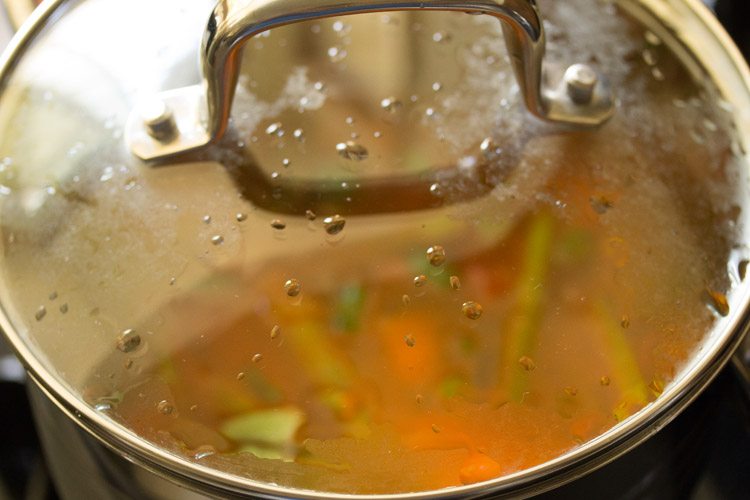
(199, 115)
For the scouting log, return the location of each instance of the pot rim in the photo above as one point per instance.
(573, 464)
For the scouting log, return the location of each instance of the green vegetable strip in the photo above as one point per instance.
(625, 371)
(525, 317)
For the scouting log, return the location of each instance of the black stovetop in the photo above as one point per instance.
(722, 459)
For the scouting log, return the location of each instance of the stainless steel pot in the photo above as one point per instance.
(98, 111)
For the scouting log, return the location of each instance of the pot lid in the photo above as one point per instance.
(361, 240)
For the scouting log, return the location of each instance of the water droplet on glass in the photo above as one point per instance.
(319, 86)
(334, 224)
(605, 381)
(257, 358)
(292, 287)
(278, 224)
(391, 104)
(441, 37)
(217, 239)
(429, 112)
(240, 217)
(206, 219)
(298, 134)
(53, 295)
(310, 215)
(351, 150)
(204, 451)
(377, 134)
(128, 340)
(656, 386)
(409, 340)
(40, 313)
(649, 57)
(420, 280)
(571, 391)
(657, 74)
(437, 86)
(103, 407)
(436, 255)
(336, 54)
(406, 299)
(240, 375)
(435, 428)
(455, 283)
(652, 39)
(165, 407)
(419, 399)
(275, 331)
(527, 363)
(719, 302)
(64, 308)
(472, 310)
(286, 162)
(436, 190)
(625, 321)
(274, 129)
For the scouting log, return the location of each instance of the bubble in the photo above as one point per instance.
(436, 255)
(420, 399)
(472, 310)
(336, 54)
(334, 224)
(217, 239)
(275, 331)
(286, 162)
(420, 280)
(527, 363)
(40, 313)
(391, 104)
(292, 287)
(206, 219)
(240, 375)
(128, 340)
(257, 358)
(298, 134)
(351, 150)
(436, 190)
(278, 224)
(437, 86)
(455, 283)
(275, 129)
(310, 215)
(435, 428)
(652, 39)
(165, 407)
(241, 217)
(489, 149)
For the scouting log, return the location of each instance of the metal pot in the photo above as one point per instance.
(77, 109)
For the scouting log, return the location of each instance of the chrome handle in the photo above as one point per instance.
(174, 123)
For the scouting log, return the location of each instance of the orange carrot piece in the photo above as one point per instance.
(478, 468)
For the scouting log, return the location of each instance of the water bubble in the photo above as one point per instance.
(310, 215)
(165, 407)
(128, 340)
(206, 219)
(292, 287)
(420, 280)
(409, 340)
(604, 380)
(286, 162)
(489, 149)
(334, 224)
(275, 175)
(527, 363)
(40, 313)
(275, 331)
(391, 104)
(204, 451)
(472, 310)
(257, 357)
(278, 224)
(436, 255)
(455, 283)
(436, 190)
(351, 150)
(241, 217)
(275, 129)
(217, 239)
(193, 408)
(298, 134)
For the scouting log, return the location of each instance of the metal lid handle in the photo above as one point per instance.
(582, 99)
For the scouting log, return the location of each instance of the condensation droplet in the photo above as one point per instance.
(334, 224)
(472, 310)
(436, 255)
(455, 283)
(351, 151)
(53, 295)
(336, 54)
(128, 340)
(604, 380)
(656, 386)
(406, 299)
(217, 239)
(165, 407)
(420, 280)
(278, 224)
(435, 429)
(649, 57)
(436, 190)
(275, 129)
(241, 217)
(391, 104)
(298, 134)
(652, 39)
(206, 219)
(257, 358)
(377, 134)
(409, 340)
(571, 391)
(441, 37)
(204, 451)
(437, 86)
(103, 407)
(292, 287)
(310, 215)
(719, 302)
(275, 331)
(420, 399)
(286, 162)
(240, 375)
(40, 313)
(625, 321)
(527, 363)
(64, 308)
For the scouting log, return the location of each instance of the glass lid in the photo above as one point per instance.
(401, 263)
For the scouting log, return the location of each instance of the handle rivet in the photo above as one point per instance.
(581, 81)
(159, 120)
